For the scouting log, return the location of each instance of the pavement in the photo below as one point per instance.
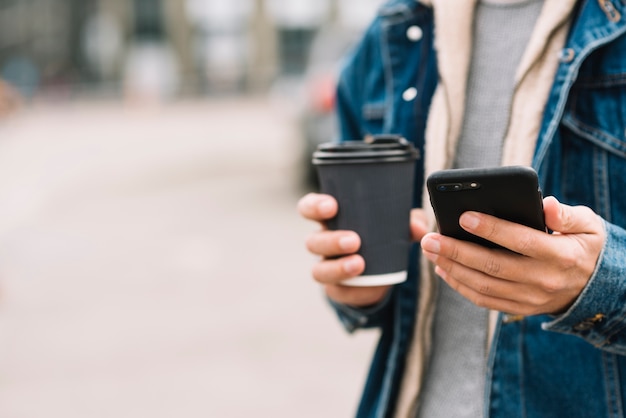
(152, 265)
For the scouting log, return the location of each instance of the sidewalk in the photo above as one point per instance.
(152, 265)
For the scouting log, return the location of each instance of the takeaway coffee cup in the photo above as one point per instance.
(372, 181)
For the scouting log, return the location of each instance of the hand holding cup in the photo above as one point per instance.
(337, 251)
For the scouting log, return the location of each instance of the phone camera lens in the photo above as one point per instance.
(442, 188)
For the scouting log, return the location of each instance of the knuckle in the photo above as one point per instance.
(570, 259)
(491, 230)
(485, 289)
(551, 286)
(491, 267)
(305, 204)
(311, 243)
(526, 242)
(454, 253)
(317, 271)
(326, 271)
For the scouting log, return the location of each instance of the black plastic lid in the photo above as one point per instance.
(373, 149)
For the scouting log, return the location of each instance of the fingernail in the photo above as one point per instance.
(348, 243)
(431, 244)
(352, 266)
(325, 207)
(469, 220)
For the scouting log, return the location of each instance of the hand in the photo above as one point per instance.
(541, 273)
(337, 250)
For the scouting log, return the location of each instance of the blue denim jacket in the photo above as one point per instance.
(573, 365)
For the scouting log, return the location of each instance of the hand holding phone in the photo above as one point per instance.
(511, 193)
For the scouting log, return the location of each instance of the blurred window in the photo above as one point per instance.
(149, 19)
(294, 44)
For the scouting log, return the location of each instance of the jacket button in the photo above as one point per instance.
(589, 323)
(409, 94)
(583, 326)
(567, 55)
(414, 33)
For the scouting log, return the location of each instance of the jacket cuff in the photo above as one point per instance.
(353, 318)
(599, 313)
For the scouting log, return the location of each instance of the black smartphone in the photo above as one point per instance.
(510, 193)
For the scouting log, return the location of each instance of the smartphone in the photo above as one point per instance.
(510, 193)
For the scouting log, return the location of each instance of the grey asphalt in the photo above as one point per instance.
(152, 265)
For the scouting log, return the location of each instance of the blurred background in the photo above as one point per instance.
(152, 263)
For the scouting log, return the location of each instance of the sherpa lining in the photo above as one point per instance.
(534, 77)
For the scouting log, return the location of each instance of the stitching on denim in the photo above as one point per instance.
(596, 136)
(569, 78)
(391, 363)
(605, 378)
(612, 330)
(395, 344)
(600, 179)
(389, 82)
(488, 396)
(612, 385)
(618, 388)
(607, 80)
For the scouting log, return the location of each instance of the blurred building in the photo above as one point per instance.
(162, 48)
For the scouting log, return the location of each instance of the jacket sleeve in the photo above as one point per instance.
(599, 313)
(353, 318)
(351, 92)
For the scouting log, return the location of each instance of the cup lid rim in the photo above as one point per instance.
(380, 148)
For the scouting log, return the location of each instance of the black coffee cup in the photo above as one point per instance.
(372, 181)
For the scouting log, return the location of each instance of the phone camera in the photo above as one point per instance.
(451, 187)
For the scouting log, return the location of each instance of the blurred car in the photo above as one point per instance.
(318, 119)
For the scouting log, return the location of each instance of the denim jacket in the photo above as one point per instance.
(572, 365)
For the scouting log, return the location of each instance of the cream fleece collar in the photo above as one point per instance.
(534, 77)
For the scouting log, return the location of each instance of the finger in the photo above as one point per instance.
(336, 270)
(440, 249)
(333, 243)
(482, 300)
(488, 285)
(419, 226)
(450, 253)
(513, 236)
(483, 282)
(570, 219)
(317, 207)
(356, 296)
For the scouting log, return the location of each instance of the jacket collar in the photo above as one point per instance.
(597, 22)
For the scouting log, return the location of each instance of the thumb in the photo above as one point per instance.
(569, 219)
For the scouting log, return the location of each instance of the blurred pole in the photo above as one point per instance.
(333, 11)
(179, 34)
(264, 59)
(79, 11)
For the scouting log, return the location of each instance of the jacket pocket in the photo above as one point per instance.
(594, 145)
(597, 112)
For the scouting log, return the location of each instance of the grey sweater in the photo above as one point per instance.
(454, 382)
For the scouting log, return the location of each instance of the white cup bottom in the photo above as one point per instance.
(376, 279)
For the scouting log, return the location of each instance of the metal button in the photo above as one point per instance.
(414, 33)
(589, 323)
(583, 326)
(567, 55)
(509, 318)
(409, 94)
